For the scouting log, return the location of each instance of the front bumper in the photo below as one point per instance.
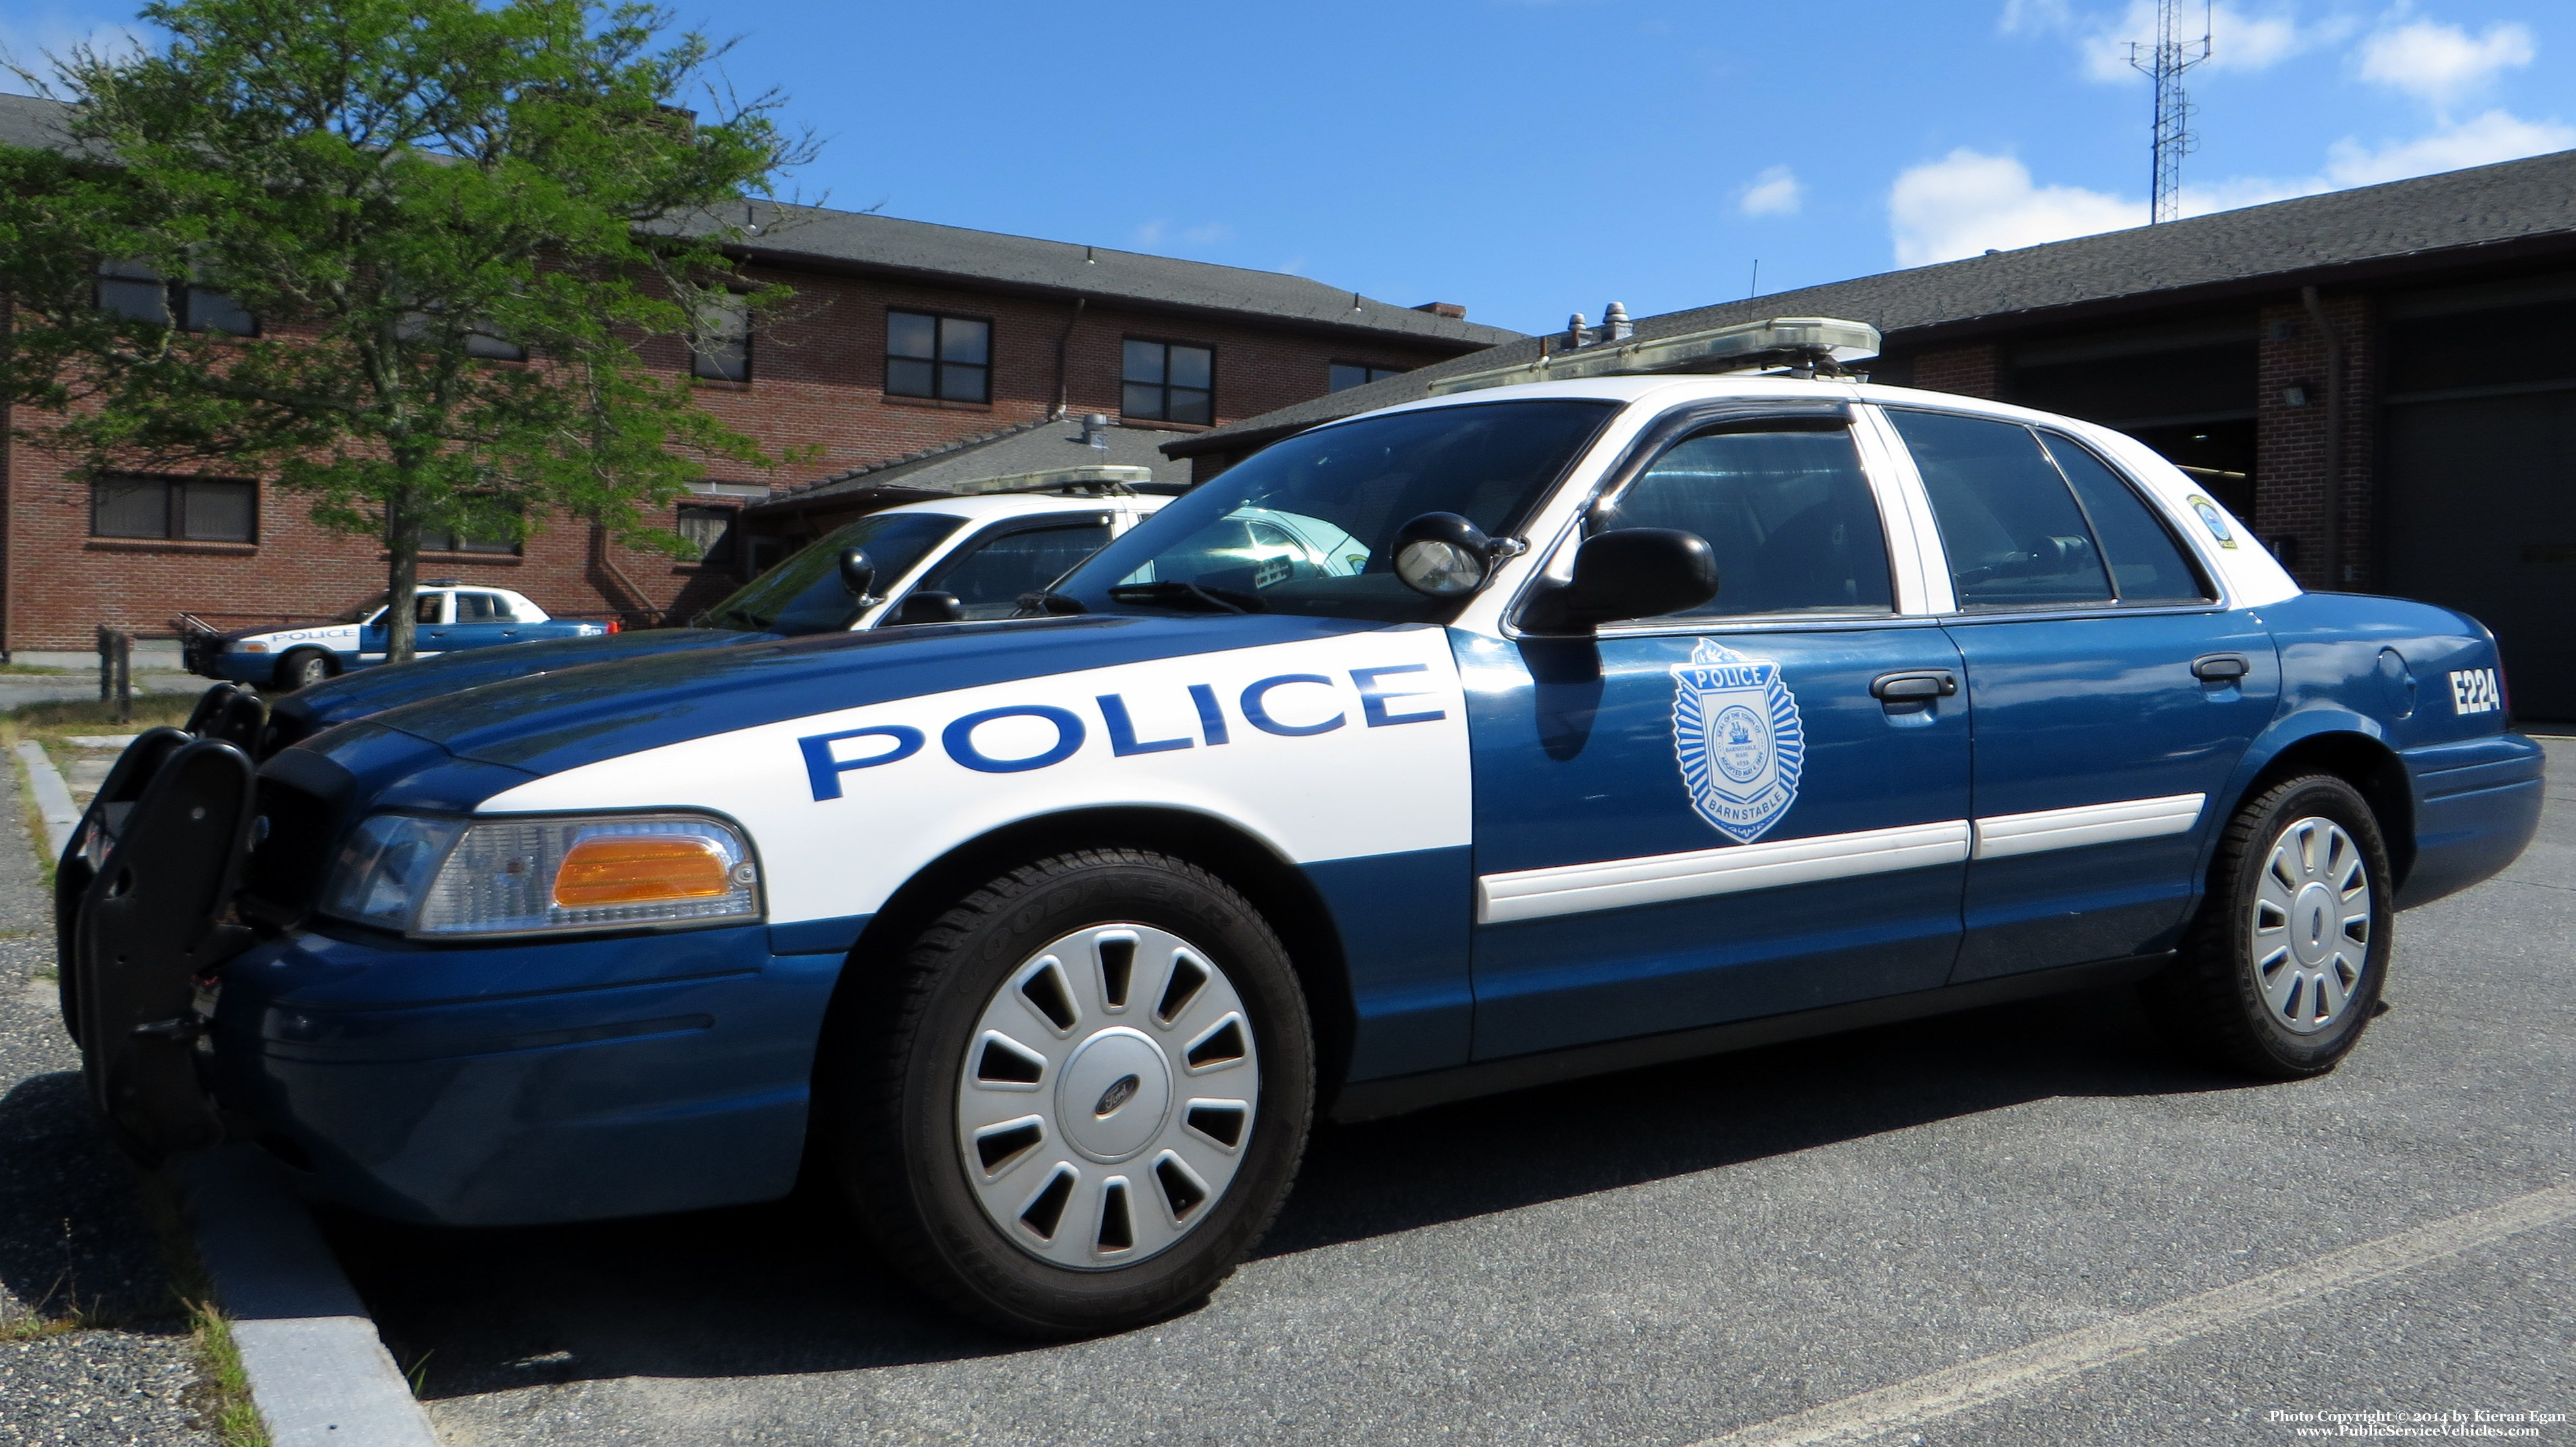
(524, 1083)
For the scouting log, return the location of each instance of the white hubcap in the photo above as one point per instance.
(1107, 1097)
(2311, 931)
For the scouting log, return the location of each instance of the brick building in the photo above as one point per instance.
(904, 339)
(2413, 342)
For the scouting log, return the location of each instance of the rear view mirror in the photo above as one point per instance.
(858, 572)
(928, 608)
(1626, 573)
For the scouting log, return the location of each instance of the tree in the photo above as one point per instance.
(409, 197)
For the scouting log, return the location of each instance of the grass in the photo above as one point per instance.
(225, 1385)
(21, 668)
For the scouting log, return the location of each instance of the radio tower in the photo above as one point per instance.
(2170, 57)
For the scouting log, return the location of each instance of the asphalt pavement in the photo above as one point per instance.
(74, 1241)
(1675, 1255)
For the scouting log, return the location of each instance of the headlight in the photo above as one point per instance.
(448, 878)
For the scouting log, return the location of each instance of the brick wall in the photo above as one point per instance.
(1967, 371)
(817, 380)
(2290, 440)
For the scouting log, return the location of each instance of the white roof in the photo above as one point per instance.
(2251, 574)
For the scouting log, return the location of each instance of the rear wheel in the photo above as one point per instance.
(2284, 967)
(1080, 1098)
(304, 667)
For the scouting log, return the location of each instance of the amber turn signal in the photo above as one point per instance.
(640, 869)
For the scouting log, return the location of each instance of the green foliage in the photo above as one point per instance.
(378, 182)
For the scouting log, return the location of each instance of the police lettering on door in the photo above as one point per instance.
(1284, 704)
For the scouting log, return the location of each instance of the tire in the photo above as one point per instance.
(303, 668)
(951, 1143)
(2283, 968)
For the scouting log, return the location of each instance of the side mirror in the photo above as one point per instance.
(1442, 555)
(858, 572)
(927, 608)
(1627, 573)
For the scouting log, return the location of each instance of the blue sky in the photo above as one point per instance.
(1534, 157)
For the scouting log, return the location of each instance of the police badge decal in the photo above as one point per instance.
(1737, 735)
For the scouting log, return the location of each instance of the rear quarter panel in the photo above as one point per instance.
(2383, 668)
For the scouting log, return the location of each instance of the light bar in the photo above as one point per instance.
(1098, 474)
(1720, 349)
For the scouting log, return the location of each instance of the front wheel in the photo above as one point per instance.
(2284, 967)
(304, 668)
(1078, 1101)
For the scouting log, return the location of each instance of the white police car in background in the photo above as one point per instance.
(449, 616)
(1581, 724)
(948, 560)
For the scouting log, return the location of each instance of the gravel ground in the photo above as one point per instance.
(72, 1232)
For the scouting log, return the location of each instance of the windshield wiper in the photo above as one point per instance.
(1180, 593)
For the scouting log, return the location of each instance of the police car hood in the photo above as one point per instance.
(575, 716)
(374, 690)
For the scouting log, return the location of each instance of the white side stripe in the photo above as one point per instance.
(2005, 835)
(1618, 883)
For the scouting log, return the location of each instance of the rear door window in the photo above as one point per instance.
(2147, 566)
(2015, 536)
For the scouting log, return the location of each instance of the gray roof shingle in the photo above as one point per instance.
(2485, 206)
(808, 234)
(1007, 452)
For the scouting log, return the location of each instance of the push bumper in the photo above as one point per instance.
(527, 1083)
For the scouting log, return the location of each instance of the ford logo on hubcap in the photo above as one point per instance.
(1120, 1091)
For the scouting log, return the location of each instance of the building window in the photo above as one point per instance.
(711, 528)
(492, 539)
(131, 289)
(416, 325)
(185, 509)
(1169, 382)
(950, 358)
(722, 351)
(1346, 375)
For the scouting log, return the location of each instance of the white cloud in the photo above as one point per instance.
(2443, 64)
(1969, 202)
(26, 42)
(1209, 234)
(1776, 192)
(2484, 140)
(1151, 233)
(2240, 39)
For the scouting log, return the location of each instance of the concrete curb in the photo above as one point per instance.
(53, 797)
(318, 1371)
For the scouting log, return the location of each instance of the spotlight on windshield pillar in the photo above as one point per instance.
(1442, 555)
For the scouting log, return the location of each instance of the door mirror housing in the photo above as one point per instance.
(928, 608)
(1442, 555)
(1626, 573)
(858, 572)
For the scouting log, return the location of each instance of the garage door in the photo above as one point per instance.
(2481, 499)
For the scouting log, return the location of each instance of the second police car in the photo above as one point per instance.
(949, 560)
(1635, 717)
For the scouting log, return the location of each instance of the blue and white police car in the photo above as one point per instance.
(448, 616)
(1641, 713)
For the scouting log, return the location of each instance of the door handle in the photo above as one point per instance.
(1914, 687)
(2220, 667)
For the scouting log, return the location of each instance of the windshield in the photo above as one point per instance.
(361, 612)
(804, 594)
(1305, 526)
